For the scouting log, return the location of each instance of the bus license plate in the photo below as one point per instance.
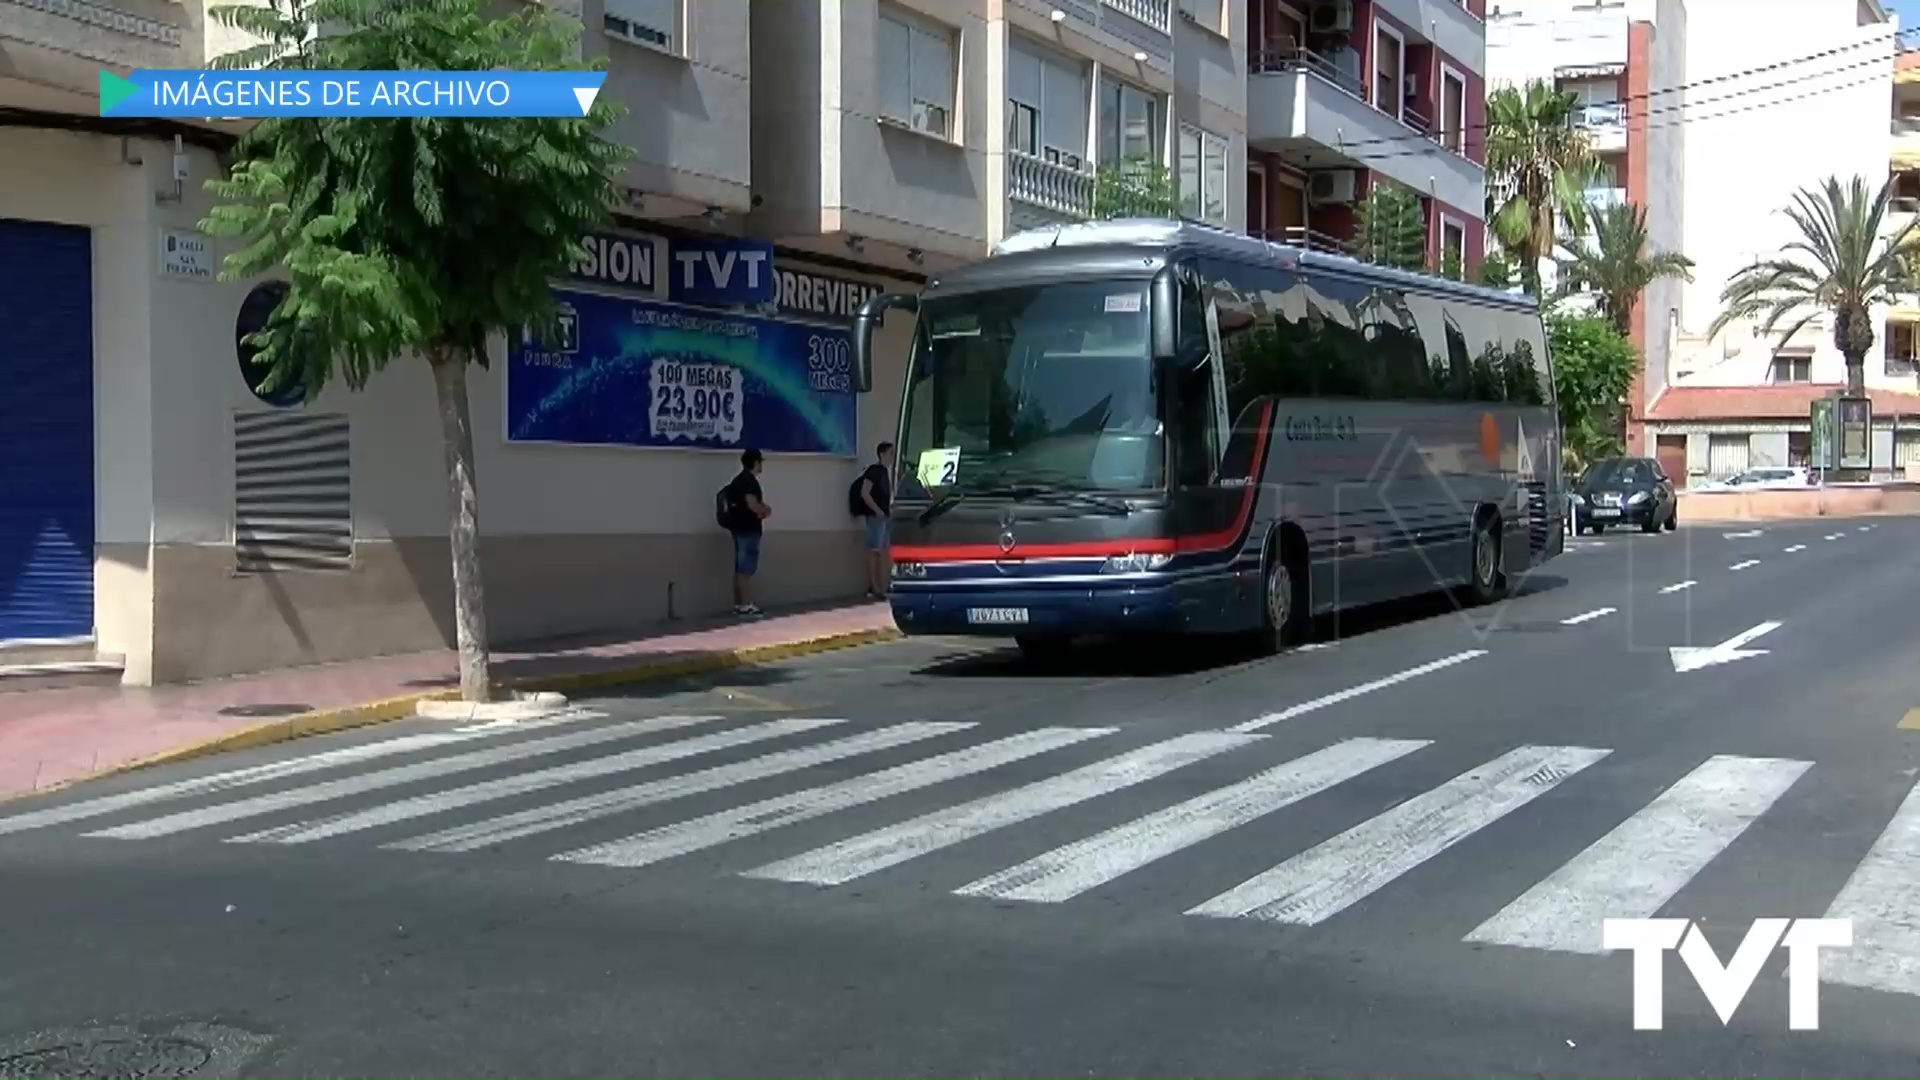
(997, 616)
(1605, 512)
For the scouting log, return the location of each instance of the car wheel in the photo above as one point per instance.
(1283, 609)
(1673, 518)
(1653, 521)
(1598, 528)
(1486, 582)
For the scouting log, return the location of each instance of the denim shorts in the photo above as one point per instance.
(746, 554)
(879, 531)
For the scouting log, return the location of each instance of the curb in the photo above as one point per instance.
(325, 721)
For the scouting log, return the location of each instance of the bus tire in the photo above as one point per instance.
(1486, 582)
(1284, 610)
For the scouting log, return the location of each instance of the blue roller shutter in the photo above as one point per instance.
(46, 431)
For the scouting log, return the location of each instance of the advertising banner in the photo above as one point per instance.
(630, 372)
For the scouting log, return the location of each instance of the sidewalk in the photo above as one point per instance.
(54, 737)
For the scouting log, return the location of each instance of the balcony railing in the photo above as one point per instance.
(1044, 184)
(1155, 13)
(1295, 58)
(1302, 237)
(1594, 117)
(1906, 125)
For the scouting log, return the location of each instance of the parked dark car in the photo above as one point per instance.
(1625, 491)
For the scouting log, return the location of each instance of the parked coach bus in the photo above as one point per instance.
(1159, 426)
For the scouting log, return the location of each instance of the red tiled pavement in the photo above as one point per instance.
(51, 737)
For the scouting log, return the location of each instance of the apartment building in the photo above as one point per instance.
(1711, 114)
(162, 520)
(1344, 96)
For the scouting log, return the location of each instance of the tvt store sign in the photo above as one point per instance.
(1726, 985)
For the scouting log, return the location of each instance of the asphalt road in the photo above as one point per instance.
(1388, 854)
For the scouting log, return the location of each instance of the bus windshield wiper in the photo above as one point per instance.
(943, 504)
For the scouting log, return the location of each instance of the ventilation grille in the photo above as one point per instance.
(292, 492)
(1541, 520)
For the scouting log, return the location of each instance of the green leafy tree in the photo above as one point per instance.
(1539, 165)
(1495, 271)
(1134, 188)
(1845, 261)
(1392, 231)
(1617, 267)
(1593, 367)
(411, 237)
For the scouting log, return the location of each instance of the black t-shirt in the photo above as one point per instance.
(882, 482)
(744, 519)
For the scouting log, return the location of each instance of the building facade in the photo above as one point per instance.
(1348, 95)
(164, 518)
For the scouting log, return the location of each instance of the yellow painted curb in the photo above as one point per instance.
(322, 721)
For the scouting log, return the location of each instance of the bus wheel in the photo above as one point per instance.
(1282, 620)
(1486, 582)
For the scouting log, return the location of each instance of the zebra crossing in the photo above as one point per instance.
(412, 788)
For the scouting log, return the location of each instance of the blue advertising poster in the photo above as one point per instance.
(625, 372)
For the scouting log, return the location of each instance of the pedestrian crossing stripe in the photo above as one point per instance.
(1634, 870)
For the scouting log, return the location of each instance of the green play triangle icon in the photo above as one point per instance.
(114, 90)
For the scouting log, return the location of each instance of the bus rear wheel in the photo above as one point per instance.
(1283, 608)
(1486, 582)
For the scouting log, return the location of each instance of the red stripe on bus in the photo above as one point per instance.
(1101, 549)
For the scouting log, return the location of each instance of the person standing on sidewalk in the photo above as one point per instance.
(874, 505)
(750, 511)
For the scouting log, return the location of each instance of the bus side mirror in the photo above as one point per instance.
(865, 321)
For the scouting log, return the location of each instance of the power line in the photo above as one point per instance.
(1679, 107)
(1764, 69)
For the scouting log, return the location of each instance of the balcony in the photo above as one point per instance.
(1054, 188)
(1301, 236)
(689, 124)
(1447, 24)
(1605, 125)
(1314, 115)
(1906, 142)
(1157, 14)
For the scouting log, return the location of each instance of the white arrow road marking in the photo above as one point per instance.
(1693, 658)
(1742, 535)
(1596, 613)
(1794, 548)
(1677, 586)
(1355, 691)
(1744, 563)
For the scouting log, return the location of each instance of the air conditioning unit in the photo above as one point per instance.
(1337, 187)
(1331, 17)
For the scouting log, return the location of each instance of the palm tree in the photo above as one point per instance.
(1539, 164)
(1617, 267)
(1840, 263)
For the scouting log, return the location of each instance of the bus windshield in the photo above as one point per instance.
(1049, 386)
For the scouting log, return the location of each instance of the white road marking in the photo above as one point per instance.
(859, 856)
(437, 802)
(403, 774)
(1794, 548)
(253, 774)
(1834, 536)
(1678, 586)
(1066, 872)
(1633, 871)
(1744, 563)
(1324, 881)
(715, 829)
(1864, 528)
(1884, 905)
(1742, 535)
(1352, 692)
(1596, 613)
(550, 816)
(1695, 657)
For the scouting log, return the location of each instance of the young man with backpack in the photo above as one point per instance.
(740, 509)
(871, 500)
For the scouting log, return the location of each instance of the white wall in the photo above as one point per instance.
(1666, 171)
(1532, 39)
(1754, 140)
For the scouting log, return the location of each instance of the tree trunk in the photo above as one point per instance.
(1856, 374)
(463, 533)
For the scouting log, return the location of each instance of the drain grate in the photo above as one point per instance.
(119, 1059)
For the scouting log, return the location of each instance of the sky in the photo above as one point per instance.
(1909, 11)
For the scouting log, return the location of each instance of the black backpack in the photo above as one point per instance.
(856, 505)
(723, 514)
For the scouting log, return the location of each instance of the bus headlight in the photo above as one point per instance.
(1134, 563)
(909, 570)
